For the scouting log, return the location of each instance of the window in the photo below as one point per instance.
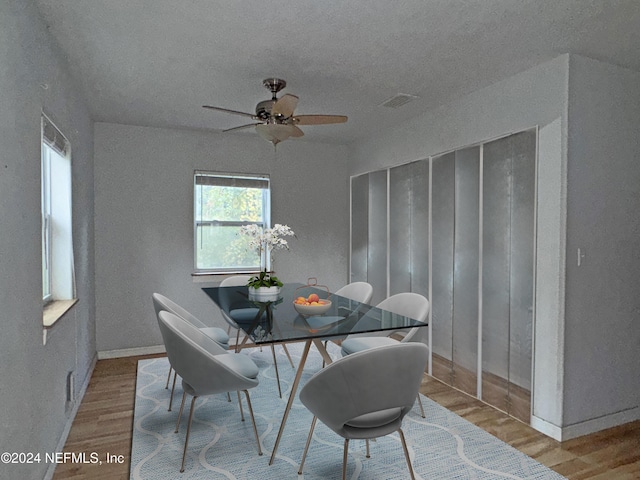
(57, 244)
(222, 204)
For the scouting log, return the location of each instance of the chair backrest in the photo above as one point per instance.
(408, 304)
(235, 280)
(198, 359)
(160, 303)
(365, 382)
(358, 291)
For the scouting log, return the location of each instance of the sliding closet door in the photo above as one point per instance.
(522, 274)
(507, 276)
(466, 256)
(359, 227)
(369, 232)
(409, 228)
(442, 242)
(377, 253)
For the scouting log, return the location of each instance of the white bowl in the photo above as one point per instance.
(313, 309)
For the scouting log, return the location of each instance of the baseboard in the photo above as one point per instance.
(72, 416)
(131, 352)
(549, 429)
(585, 428)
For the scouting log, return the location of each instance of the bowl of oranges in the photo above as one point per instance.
(311, 305)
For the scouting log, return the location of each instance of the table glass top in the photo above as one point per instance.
(279, 321)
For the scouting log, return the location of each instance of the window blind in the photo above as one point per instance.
(54, 137)
(231, 181)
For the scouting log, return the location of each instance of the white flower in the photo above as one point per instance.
(267, 240)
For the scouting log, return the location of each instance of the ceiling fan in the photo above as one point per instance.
(274, 119)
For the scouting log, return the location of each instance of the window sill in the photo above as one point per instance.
(207, 277)
(55, 310)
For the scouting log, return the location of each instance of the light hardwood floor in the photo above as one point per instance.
(104, 425)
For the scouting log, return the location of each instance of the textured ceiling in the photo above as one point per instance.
(155, 63)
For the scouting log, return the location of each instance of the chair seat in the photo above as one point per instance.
(239, 363)
(375, 419)
(244, 315)
(358, 344)
(218, 335)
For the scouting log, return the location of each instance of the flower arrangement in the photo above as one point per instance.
(265, 242)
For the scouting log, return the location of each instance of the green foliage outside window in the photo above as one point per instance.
(219, 246)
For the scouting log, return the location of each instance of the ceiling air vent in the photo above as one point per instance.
(398, 100)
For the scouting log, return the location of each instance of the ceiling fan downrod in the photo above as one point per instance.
(274, 85)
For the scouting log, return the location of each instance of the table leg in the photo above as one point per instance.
(292, 395)
(294, 387)
(323, 351)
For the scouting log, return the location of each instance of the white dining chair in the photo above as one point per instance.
(218, 335)
(242, 280)
(205, 368)
(366, 395)
(358, 291)
(408, 304)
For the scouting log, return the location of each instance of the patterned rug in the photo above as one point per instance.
(221, 446)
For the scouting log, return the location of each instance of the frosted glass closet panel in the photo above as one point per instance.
(400, 201)
(465, 270)
(420, 229)
(442, 242)
(507, 276)
(409, 228)
(377, 232)
(522, 274)
(359, 227)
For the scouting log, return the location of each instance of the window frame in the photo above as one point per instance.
(56, 190)
(199, 222)
(45, 189)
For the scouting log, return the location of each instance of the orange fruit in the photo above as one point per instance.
(313, 298)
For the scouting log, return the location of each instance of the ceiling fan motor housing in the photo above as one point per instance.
(263, 109)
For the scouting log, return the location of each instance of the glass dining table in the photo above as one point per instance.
(278, 321)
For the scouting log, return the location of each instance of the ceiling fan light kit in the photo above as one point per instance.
(274, 119)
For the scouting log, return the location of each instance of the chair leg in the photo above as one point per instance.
(275, 364)
(228, 397)
(326, 342)
(184, 396)
(240, 405)
(306, 447)
(173, 388)
(368, 455)
(238, 341)
(421, 408)
(284, 347)
(186, 440)
(344, 459)
(253, 419)
(406, 453)
(168, 378)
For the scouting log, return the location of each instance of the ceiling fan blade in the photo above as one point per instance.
(226, 110)
(318, 119)
(240, 127)
(285, 105)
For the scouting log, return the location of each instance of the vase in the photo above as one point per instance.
(264, 294)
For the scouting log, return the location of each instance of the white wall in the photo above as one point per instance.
(537, 97)
(586, 337)
(144, 215)
(602, 353)
(34, 414)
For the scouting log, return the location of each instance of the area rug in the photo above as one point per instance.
(221, 446)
